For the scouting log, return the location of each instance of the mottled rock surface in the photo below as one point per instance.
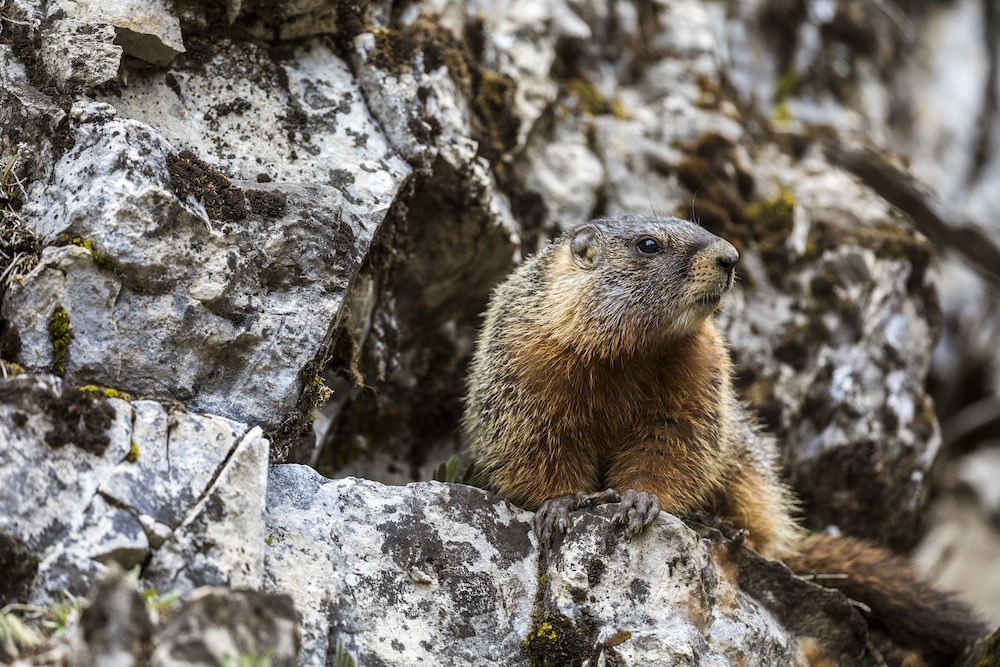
(451, 574)
(87, 482)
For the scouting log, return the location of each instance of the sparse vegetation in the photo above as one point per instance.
(248, 658)
(60, 332)
(449, 471)
(342, 658)
(57, 617)
(14, 634)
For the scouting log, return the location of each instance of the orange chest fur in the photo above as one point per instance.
(675, 390)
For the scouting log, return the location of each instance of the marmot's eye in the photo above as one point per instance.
(648, 246)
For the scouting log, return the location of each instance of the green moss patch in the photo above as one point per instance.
(314, 396)
(555, 641)
(133, 452)
(591, 99)
(393, 50)
(771, 221)
(493, 106)
(60, 333)
(68, 239)
(105, 392)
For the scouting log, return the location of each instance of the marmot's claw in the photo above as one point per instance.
(553, 515)
(599, 498)
(646, 506)
(654, 511)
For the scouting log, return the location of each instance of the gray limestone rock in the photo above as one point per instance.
(186, 489)
(694, 598)
(178, 455)
(452, 575)
(221, 542)
(399, 574)
(32, 112)
(218, 626)
(114, 628)
(108, 536)
(238, 310)
(50, 467)
(78, 51)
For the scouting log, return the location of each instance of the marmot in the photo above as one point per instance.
(599, 366)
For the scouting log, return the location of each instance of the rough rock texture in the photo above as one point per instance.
(114, 626)
(450, 574)
(221, 626)
(399, 574)
(88, 482)
(393, 575)
(219, 542)
(167, 283)
(694, 598)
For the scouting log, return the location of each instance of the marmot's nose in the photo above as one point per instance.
(726, 256)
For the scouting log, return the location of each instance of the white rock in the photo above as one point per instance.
(77, 50)
(146, 29)
(221, 542)
(344, 550)
(108, 535)
(448, 574)
(179, 455)
(238, 310)
(45, 490)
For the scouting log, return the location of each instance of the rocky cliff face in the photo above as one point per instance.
(275, 225)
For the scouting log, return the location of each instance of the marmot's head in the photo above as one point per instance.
(626, 282)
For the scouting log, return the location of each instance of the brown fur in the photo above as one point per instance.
(903, 605)
(600, 365)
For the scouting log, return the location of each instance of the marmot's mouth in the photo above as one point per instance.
(710, 300)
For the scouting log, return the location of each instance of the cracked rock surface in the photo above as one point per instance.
(71, 510)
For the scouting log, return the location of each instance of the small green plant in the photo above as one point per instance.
(158, 602)
(57, 617)
(342, 658)
(7, 191)
(133, 452)
(248, 658)
(105, 392)
(14, 633)
(9, 369)
(450, 472)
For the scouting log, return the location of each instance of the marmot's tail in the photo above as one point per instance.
(904, 605)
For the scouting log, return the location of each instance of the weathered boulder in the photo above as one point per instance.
(88, 482)
(222, 626)
(226, 304)
(453, 575)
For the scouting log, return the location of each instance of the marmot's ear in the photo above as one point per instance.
(584, 247)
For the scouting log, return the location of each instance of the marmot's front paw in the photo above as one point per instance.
(554, 514)
(645, 505)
